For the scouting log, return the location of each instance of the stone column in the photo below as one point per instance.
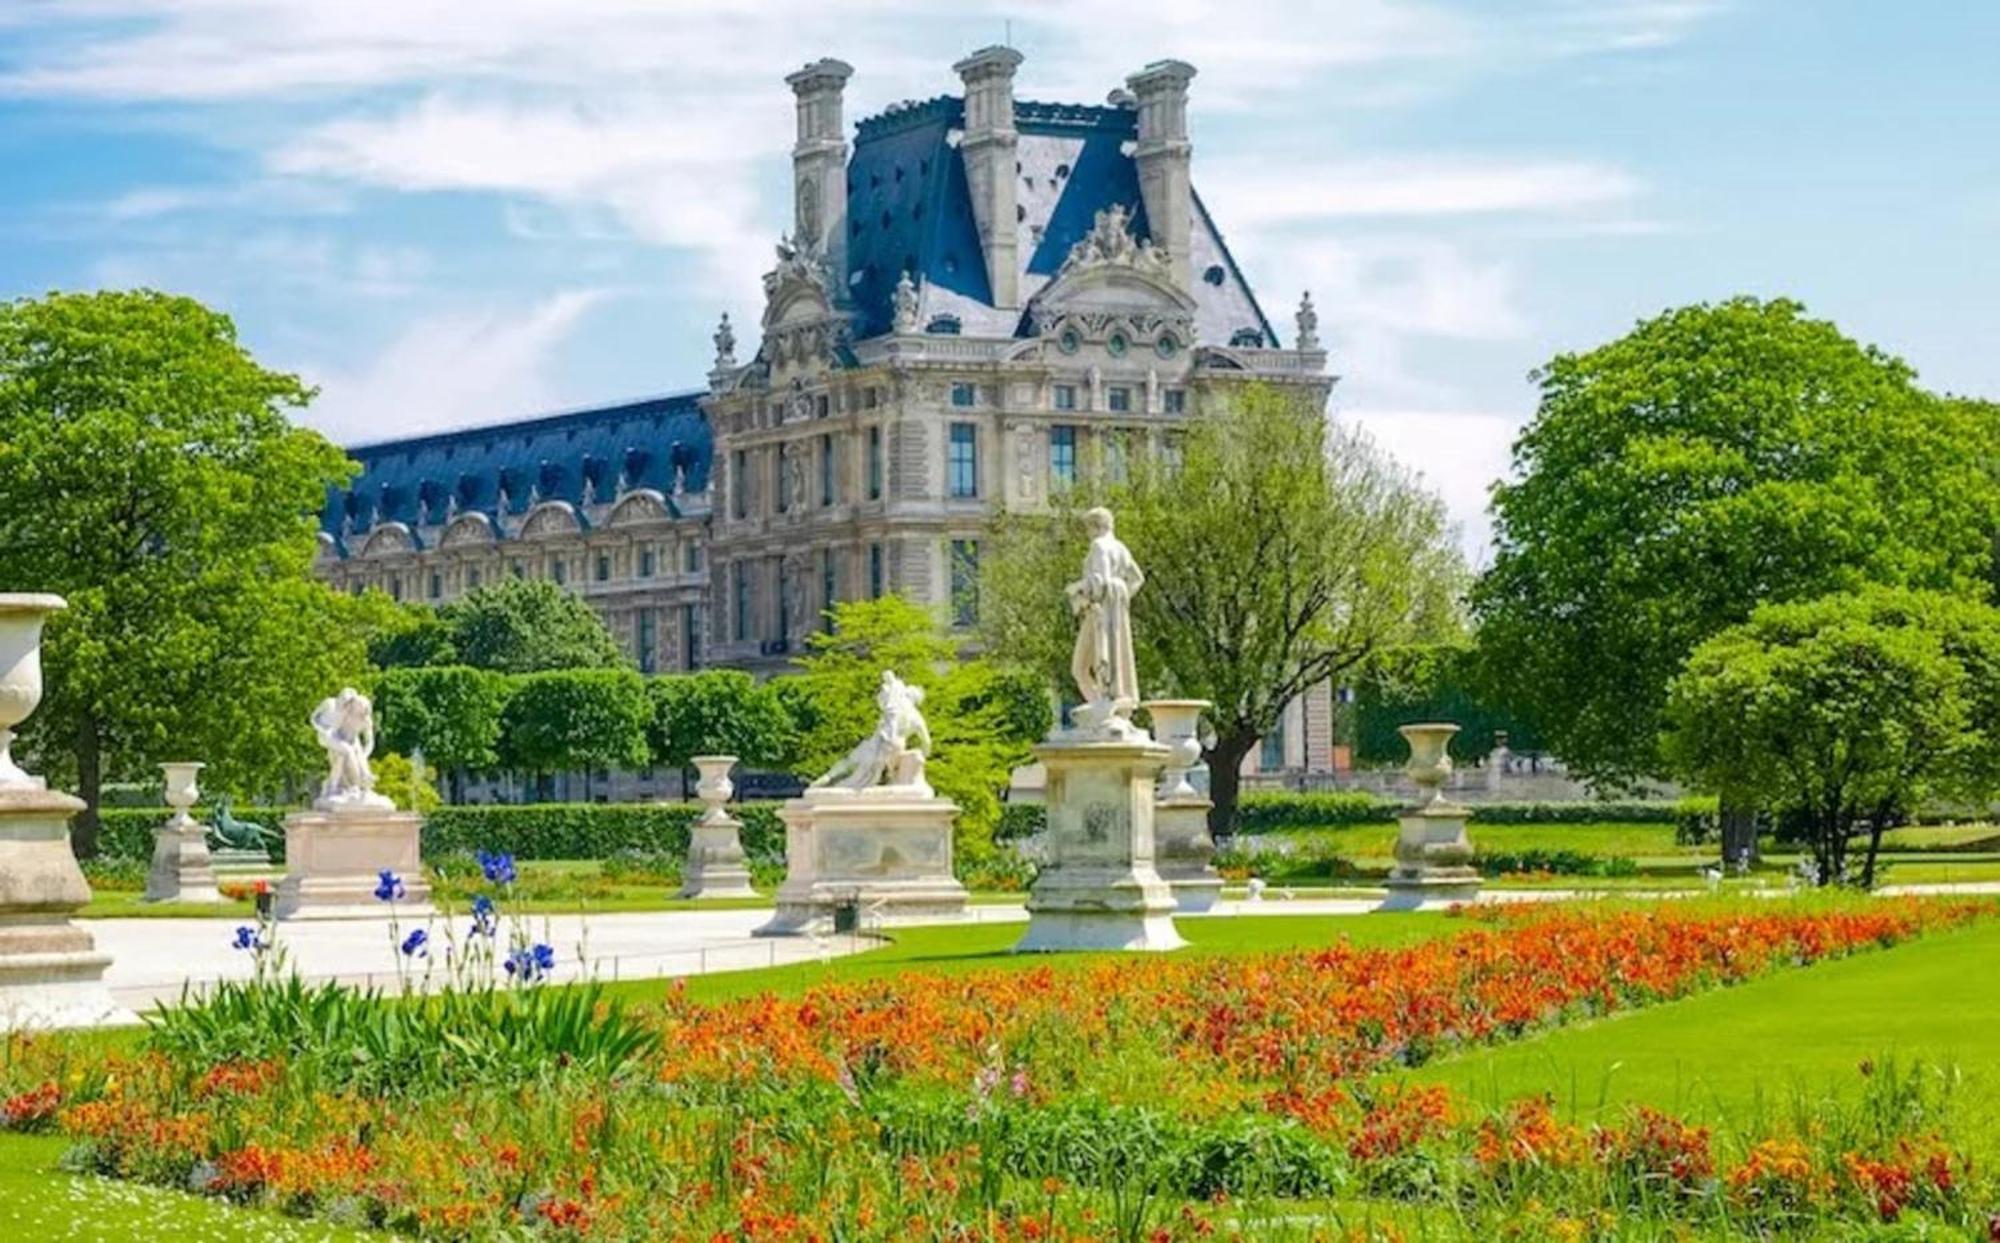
(1183, 851)
(182, 871)
(51, 974)
(716, 866)
(1433, 853)
(1099, 888)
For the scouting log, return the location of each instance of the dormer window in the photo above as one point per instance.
(1246, 338)
(1215, 275)
(943, 326)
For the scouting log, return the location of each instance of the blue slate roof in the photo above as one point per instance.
(646, 439)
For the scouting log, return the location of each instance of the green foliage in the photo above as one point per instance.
(718, 712)
(1553, 863)
(1715, 458)
(1839, 711)
(1266, 813)
(451, 713)
(396, 776)
(1280, 551)
(415, 636)
(588, 830)
(1428, 682)
(980, 727)
(571, 719)
(149, 473)
(513, 625)
(1586, 811)
(127, 832)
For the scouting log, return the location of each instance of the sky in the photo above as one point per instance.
(451, 212)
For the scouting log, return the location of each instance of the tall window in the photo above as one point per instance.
(693, 557)
(778, 585)
(785, 498)
(472, 579)
(603, 567)
(964, 460)
(964, 582)
(559, 570)
(1062, 454)
(963, 395)
(1271, 752)
(741, 571)
(739, 484)
(690, 636)
(648, 562)
(437, 584)
(829, 587)
(874, 571)
(649, 636)
(1065, 397)
(874, 463)
(1176, 400)
(826, 470)
(1117, 456)
(1118, 399)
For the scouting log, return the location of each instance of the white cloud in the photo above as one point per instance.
(450, 371)
(1459, 453)
(1264, 192)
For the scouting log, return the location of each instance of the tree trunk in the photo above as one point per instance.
(89, 788)
(1739, 832)
(1225, 779)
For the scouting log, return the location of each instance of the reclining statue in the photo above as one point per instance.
(229, 833)
(885, 757)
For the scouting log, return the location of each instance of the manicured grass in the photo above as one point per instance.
(1733, 1055)
(37, 1202)
(1378, 841)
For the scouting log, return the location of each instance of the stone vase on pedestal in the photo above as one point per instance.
(1433, 853)
(887, 848)
(1183, 851)
(716, 865)
(182, 868)
(51, 974)
(1098, 888)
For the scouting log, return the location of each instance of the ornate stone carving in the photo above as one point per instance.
(906, 304)
(345, 724)
(1308, 322)
(886, 757)
(725, 344)
(1110, 242)
(1103, 661)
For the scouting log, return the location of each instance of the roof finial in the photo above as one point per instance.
(1308, 320)
(725, 344)
(906, 303)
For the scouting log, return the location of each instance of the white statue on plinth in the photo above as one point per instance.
(1103, 663)
(345, 724)
(886, 758)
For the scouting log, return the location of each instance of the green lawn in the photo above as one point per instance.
(1728, 1055)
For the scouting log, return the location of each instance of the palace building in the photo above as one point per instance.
(981, 299)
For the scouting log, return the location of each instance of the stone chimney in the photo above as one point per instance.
(988, 149)
(1162, 156)
(819, 167)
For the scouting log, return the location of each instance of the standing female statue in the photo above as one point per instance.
(1103, 664)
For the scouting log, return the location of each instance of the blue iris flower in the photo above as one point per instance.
(246, 938)
(414, 944)
(485, 921)
(531, 963)
(499, 869)
(390, 887)
(545, 957)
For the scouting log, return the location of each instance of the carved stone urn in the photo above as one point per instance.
(1183, 851)
(183, 869)
(1433, 852)
(1175, 725)
(51, 973)
(21, 618)
(716, 865)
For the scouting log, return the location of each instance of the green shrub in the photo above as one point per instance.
(589, 830)
(1697, 820)
(1019, 820)
(105, 872)
(1267, 813)
(1311, 863)
(1553, 863)
(1580, 811)
(127, 832)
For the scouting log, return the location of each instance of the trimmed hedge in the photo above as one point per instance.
(127, 832)
(1273, 812)
(1267, 813)
(1585, 812)
(589, 830)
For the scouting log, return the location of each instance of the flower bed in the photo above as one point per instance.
(1120, 1099)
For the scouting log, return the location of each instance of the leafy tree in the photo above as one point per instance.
(718, 712)
(416, 637)
(980, 730)
(1280, 552)
(569, 719)
(450, 713)
(1428, 682)
(396, 777)
(1715, 458)
(148, 472)
(1841, 712)
(520, 625)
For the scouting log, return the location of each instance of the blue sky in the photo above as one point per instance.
(446, 212)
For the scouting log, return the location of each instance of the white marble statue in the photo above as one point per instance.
(1103, 664)
(887, 757)
(345, 724)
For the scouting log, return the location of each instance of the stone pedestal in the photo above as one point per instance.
(1099, 889)
(1184, 853)
(334, 861)
(887, 848)
(243, 865)
(182, 869)
(716, 865)
(1433, 852)
(51, 974)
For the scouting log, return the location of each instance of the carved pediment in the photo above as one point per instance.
(642, 505)
(551, 518)
(468, 529)
(389, 538)
(329, 548)
(1113, 285)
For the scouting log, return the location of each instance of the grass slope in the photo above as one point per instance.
(1733, 1055)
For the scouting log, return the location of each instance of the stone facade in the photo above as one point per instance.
(981, 300)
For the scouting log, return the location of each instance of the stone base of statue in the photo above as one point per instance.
(245, 865)
(887, 848)
(334, 860)
(51, 973)
(1184, 853)
(183, 870)
(716, 865)
(1433, 860)
(1098, 888)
